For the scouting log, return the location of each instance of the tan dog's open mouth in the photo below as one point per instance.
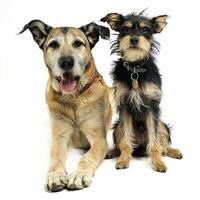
(68, 82)
(68, 85)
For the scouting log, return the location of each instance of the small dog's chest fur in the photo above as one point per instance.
(140, 101)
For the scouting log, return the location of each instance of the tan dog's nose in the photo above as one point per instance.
(66, 63)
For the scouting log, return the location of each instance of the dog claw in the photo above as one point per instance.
(55, 188)
(160, 167)
(122, 165)
(78, 181)
(56, 181)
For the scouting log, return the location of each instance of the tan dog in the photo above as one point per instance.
(77, 97)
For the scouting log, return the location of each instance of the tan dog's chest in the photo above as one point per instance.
(80, 113)
(84, 118)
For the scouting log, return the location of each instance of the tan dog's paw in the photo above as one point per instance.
(160, 167)
(78, 181)
(56, 181)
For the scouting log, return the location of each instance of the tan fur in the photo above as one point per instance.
(126, 138)
(164, 141)
(120, 91)
(142, 24)
(124, 141)
(133, 54)
(154, 147)
(144, 44)
(174, 153)
(78, 118)
(151, 139)
(81, 115)
(151, 91)
(128, 24)
(51, 56)
(157, 145)
(113, 20)
(161, 22)
(163, 138)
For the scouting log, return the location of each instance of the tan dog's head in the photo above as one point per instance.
(67, 51)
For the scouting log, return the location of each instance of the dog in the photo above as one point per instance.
(78, 100)
(137, 81)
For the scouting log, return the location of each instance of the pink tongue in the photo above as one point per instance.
(68, 85)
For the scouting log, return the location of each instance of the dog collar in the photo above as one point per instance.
(135, 67)
(88, 84)
(135, 70)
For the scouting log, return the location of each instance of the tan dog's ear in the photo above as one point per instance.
(39, 31)
(115, 20)
(159, 23)
(93, 31)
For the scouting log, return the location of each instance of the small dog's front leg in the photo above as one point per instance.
(61, 136)
(125, 156)
(154, 148)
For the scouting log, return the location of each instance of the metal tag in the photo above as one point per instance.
(135, 84)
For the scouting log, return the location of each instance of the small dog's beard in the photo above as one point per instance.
(134, 54)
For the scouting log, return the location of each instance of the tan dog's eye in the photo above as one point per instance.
(77, 43)
(54, 45)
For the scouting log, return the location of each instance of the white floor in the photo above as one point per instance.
(24, 124)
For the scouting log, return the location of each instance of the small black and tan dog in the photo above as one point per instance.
(139, 130)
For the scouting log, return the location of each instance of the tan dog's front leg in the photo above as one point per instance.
(124, 136)
(91, 160)
(61, 135)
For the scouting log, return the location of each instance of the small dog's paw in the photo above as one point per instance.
(174, 153)
(160, 167)
(112, 153)
(78, 181)
(122, 164)
(56, 181)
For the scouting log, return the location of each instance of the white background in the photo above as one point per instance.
(24, 122)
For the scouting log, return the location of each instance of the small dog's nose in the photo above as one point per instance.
(134, 41)
(66, 63)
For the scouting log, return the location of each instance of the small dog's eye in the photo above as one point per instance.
(77, 43)
(54, 44)
(145, 29)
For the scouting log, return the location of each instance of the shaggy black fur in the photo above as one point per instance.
(122, 74)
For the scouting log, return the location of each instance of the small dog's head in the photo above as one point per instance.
(67, 51)
(135, 39)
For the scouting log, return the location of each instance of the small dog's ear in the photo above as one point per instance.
(159, 23)
(39, 31)
(115, 20)
(93, 31)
